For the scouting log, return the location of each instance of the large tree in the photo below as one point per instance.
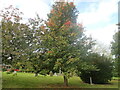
(65, 39)
(23, 44)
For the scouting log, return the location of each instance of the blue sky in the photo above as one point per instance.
(99, 17)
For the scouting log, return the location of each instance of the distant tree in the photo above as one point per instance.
(115, 44)
(115, 49)
(101, 48)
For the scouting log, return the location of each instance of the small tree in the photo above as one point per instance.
(99, 68)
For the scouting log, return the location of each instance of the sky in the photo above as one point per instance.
(99, 17)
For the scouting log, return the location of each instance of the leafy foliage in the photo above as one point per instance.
(15, 36)
(99, 68)
(115, 44)
(115, 49)
(65, 38)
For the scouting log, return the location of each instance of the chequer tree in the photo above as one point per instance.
(63, 38)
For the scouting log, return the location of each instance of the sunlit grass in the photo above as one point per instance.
(27, 80)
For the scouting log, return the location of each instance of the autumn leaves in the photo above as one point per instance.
(58, 14)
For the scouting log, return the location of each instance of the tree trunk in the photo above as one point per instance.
(65, 80)
(36, 74)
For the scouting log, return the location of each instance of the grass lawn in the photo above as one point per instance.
(27, 80)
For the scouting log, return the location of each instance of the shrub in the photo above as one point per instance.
(103, 73)
(44, 72)
(4, 69)
(8, 72)
(11, 70)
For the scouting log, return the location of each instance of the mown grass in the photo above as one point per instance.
(27, 80)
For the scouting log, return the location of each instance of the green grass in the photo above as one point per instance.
(27, 80)
(116, 78)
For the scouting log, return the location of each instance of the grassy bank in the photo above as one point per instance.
(27, 80)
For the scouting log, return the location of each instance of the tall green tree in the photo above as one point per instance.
(63, 33)
(65, 38)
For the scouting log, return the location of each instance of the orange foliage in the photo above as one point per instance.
(52, 11)
(62, 8)
(60, 13)
(68, 23)
(49, 51)
(50, 23)
(42, 27)
(72, 4)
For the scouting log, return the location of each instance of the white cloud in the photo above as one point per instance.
(95, 15)
(103, 37)
(103, 34)
(28, 7)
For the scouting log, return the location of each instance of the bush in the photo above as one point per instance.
(4, 69)
(104, 72)
(8, 72)
(12, 70)
(44, 72)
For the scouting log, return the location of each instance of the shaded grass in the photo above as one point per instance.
(27, 80)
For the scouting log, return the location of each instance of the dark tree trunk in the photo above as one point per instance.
(36, 74)
(36, 71)
(65, 80)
